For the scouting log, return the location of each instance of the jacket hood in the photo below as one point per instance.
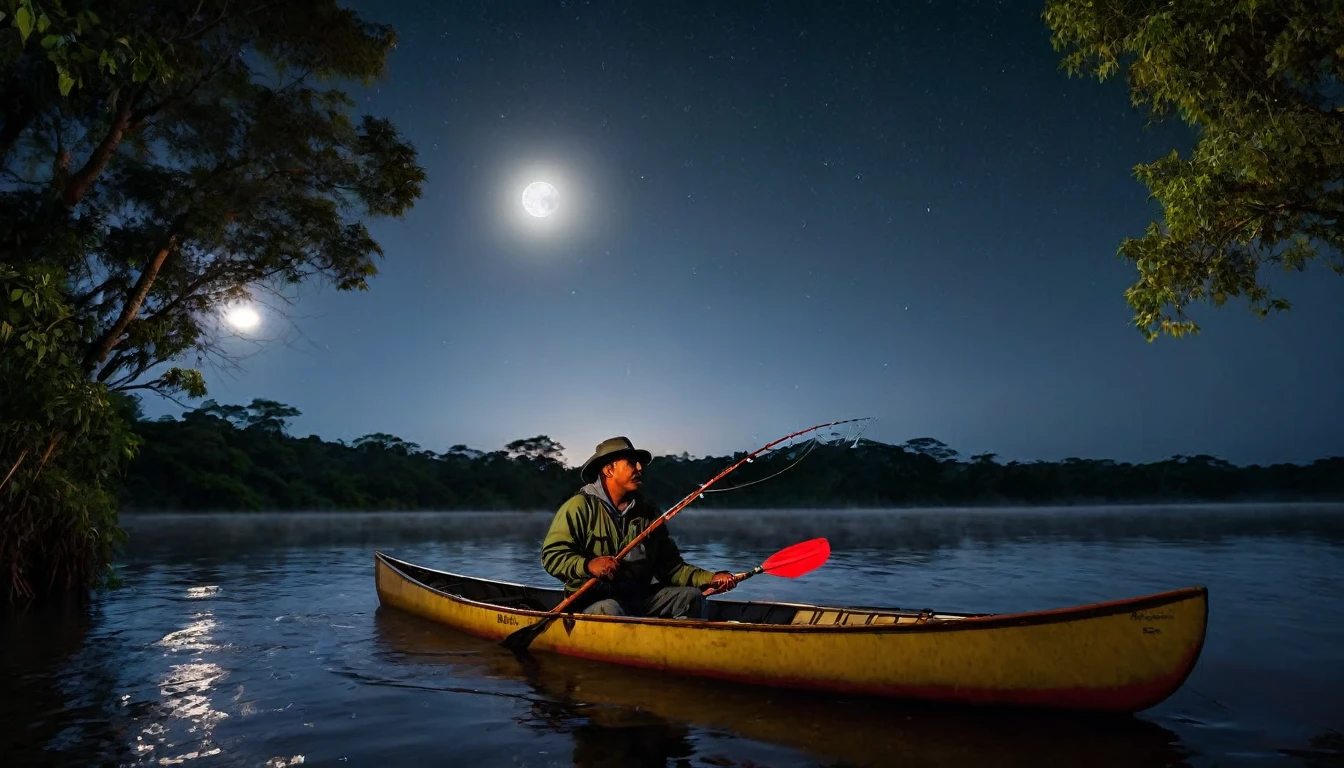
(598, 490)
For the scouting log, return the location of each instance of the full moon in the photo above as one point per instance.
(243, 318)
(540, 199)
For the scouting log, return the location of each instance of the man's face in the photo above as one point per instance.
(625, 474)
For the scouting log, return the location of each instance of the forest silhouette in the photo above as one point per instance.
(241, 458)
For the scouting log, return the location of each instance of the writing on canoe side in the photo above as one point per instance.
(1143, 616)
(503, 619)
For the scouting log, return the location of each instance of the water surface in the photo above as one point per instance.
(258, 640)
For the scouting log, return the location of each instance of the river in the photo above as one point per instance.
(257, 640)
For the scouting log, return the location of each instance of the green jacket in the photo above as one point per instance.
(588, 526)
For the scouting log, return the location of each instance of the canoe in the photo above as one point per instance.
(633, 716)
(1120, 656)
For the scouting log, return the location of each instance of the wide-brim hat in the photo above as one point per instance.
(609, 450)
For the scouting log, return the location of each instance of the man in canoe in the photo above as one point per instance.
(605, 515)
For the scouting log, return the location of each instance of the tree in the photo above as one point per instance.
(386, 442)
(194, 177)
(463, 450)
(160, 160)
(1260, 81)
(540, 449)
(270, 416)
(928, 446)
(62, 440)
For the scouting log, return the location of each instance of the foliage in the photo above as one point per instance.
(63, 439)
(229, 458)
(208, 165)
(1263, 83)
(76, 45)
(159, 160)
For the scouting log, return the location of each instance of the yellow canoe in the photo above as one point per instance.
(1120, 656)
(614, 702)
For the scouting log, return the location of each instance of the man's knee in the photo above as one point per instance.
(607, 607)
(678, 602)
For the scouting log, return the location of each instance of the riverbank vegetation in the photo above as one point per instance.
(160, 162)
(233, 457)
(1259, 192)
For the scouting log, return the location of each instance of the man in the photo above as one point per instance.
(598, 521)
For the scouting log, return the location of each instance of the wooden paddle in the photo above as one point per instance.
(790, 562)
(520, 639)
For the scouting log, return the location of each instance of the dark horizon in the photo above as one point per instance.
(773, 217)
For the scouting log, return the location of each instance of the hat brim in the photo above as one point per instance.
(594, 465)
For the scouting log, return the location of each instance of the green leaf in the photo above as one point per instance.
(16, 294)
(42, 23)
(24, 21)
(64, 82)
(50, 41)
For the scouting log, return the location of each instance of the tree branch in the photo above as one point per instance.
(23, 455)
(118, 360)
(153, 387)
(140, 116)
(211, 273)
(112, 336)
(85, 298)
(78, 185)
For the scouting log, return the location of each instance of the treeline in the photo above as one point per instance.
(231, 457)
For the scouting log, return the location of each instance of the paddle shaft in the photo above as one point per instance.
(737, 577)
(530, 631)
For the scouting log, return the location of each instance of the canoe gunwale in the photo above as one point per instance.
(961, 622)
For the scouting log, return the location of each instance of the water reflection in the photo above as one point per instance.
(618, 716)
(186, 689)
(61, 703)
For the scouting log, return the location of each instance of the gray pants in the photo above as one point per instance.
(668, 603)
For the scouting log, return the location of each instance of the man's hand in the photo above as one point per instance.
(603, 567)
(723, 581)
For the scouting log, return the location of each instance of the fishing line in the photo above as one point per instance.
(812, 443)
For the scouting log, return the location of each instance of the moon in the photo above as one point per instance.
(540, 199)
(243, 318)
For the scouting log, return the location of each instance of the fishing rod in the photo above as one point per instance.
(520, 639)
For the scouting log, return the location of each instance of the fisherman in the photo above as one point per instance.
(605, 515)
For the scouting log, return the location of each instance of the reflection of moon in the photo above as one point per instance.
(540, 199)
(243, 318)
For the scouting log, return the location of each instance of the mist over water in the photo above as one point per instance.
(245, 638)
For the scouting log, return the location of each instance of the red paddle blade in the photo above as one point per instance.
(799, 559)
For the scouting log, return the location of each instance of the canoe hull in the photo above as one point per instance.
(1122, 656)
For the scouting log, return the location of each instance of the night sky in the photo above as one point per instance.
(773, 215)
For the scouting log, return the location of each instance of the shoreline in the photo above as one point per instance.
(965, 508)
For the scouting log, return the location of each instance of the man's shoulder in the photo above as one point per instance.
(577, 500)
